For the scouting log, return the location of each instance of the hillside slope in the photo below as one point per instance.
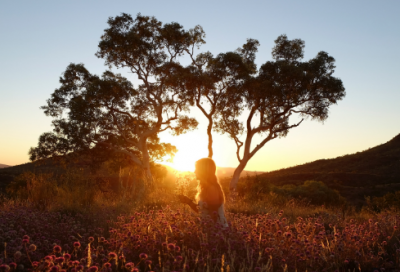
(4, 165)
(373, 172)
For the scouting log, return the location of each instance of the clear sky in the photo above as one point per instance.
(40, 38)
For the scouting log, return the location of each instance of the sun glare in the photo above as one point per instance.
(189, 151)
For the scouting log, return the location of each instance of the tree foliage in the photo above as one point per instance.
(281, 88)
(108, 115)
(215, 82)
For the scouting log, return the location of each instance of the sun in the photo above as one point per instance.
(190, 150)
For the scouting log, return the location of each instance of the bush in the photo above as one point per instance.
(315, 191)
(390, 201)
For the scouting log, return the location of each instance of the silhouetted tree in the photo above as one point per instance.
(282, 88)
(107, 113)
(215, 81)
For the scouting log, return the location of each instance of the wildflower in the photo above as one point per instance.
(91, 239)
(171, 246)
(32, 247)
(54, 268)
(25, 241)
(177, 249)
(112, 255)
(67, 256)
(60, 260)
(17, 254)
(13, 265)
(148, 262)
(128, 265)
(4, 267)
(143, 256)
(77, 245)
(93, 269)
(57, 249)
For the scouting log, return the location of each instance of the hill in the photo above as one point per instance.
(373, 172)
(4, 165)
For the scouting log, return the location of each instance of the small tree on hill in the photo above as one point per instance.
(107, 115)
(282, 88)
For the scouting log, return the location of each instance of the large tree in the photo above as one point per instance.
(107, 114)
(282, 88)
(215, 81)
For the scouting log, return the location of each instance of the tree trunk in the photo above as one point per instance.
(210, 139)
(147, 178)
(146, 163)
(236, 176)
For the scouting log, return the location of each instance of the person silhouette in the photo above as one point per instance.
(210, 197)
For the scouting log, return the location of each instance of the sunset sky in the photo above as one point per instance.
(39, 39)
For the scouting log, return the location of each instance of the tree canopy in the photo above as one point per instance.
(282, 88)
(108, 114)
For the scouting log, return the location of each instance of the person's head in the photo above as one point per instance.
(205, 169)
(208, 182)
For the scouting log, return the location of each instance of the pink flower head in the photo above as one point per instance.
(171, 246)
(54, 268)
(177, 249)
(4, 268)
(25, 241)
(35, 264)
(93, 269)
(112, 255)
(67, 256)
(91, 239)
(60, 260)
(148, 262)
(13, 265)
(108, 265)
(143, 256)
(26, 237)
(77, 245)
(129, 265)
(57, 249)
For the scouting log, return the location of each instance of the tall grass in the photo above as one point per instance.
(75, 222)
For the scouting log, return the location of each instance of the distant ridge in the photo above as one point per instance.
(4, 165)
(372, 172)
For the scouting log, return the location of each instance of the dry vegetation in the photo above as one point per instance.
(70, 223)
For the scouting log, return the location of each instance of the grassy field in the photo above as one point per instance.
(68, 223)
